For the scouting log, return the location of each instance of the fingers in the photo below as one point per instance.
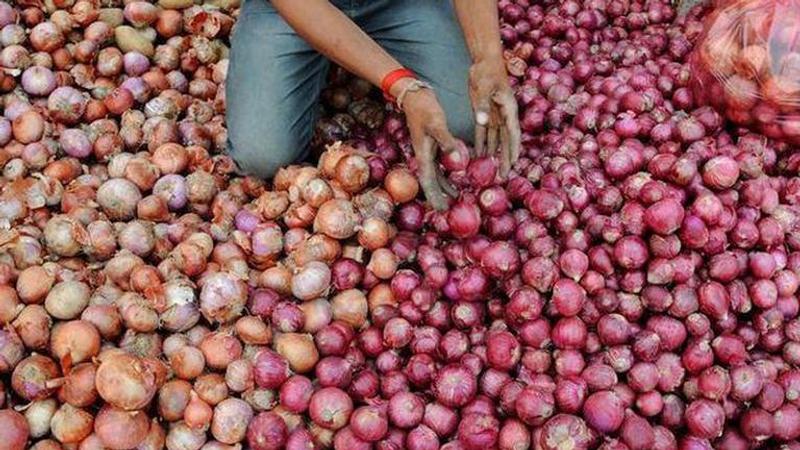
(505, 153)
(447, 143)
(492, 139)
(483, 110)
(510, 118)
(445, 184)
(480, 140)
(427, 175)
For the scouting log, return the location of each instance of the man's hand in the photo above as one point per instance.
(496, 116)
(427, 126)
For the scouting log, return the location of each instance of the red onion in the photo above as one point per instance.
(14, 428)
(454, 386)
(369, 423)
(534, 406)
(405, 410)
(267, 431)
(478, 431)
(705, 419)
(565, 430)
(464, 219)
(603, 411)
(330, 408)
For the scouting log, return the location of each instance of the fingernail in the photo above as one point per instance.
(482, 118)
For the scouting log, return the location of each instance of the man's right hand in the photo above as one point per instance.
(427, 126)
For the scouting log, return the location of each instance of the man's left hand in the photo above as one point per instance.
(496, 115)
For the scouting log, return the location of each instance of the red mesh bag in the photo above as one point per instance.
(747, 65)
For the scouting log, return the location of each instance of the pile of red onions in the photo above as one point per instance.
(631, 285)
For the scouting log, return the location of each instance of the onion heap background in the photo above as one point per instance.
(632, 285)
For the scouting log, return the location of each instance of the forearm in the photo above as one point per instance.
(334, 35)
(481, 25)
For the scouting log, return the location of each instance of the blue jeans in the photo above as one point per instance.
(275, 78)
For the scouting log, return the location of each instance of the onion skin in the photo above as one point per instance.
(603, 411)
(119, 429)
(330, 408)
(12, 350)
(222, 298)
(267, 431)
(79, 387)
(337, 219)
(71, 425)
(231, 417)
(298, 349)
(125, 382)
(33, 284)
(30, 377)
(198, 414)
(74, 342)
(401, 185)
(14, 429)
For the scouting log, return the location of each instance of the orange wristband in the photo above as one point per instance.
(393, 77)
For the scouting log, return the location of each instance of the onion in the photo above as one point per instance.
(71, 425)
(330, 408)
(352, 173)
(222, 297)
(464, 219)
(270, 369)
(401, 185)
(119, 429)
(231, 417)
(38, 415)
(66, 104)
(67, 299)
(720, 172)
(183, 436)
(565, 430)
(14, 428)
(478, 431)
(383, 263)
(125, 382)
(312, 281)
(295, 394)
(350, 307)
(173, 397)
(31, 376)
(38, 81)
(454, 386)
(705, 419)
(298, 349)
(74, 342)
(603, 411)
(267, 431)
(337, 219)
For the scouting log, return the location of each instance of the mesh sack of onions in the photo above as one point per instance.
(747, 65)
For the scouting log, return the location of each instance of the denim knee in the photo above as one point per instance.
(462, 124)
(460, 118)
(261, 151)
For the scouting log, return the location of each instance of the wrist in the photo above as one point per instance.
(494, 61)
(488, 53)
(394, 82)
(399, 86)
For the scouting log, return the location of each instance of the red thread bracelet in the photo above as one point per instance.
(393, 77)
